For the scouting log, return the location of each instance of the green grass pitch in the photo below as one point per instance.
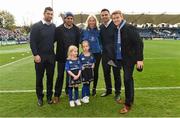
(157, 91)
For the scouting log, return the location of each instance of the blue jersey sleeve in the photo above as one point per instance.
(80, 57)
(93, 60)
(80, 65)
(67, 67)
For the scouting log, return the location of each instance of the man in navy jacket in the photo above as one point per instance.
(128, 53)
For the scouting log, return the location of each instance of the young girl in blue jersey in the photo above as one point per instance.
(87, 61)
(73, 68)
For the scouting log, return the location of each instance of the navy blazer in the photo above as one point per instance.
(131, 44)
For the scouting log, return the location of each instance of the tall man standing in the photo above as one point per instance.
(107, 30)
(66, 34)
(129, 51)
(42, 46)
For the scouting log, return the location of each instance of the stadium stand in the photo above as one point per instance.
(150, 26)
(159, 32)
(12, 37)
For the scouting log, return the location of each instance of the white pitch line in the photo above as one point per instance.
(17, 91)
(163, 58)
(100, 89)
(157, 88)
(14, 62)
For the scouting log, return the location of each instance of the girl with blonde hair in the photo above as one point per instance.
(87, 61)
(92, 35)
(73, 68)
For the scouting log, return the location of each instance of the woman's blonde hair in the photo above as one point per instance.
(97, 22)
(70, 49)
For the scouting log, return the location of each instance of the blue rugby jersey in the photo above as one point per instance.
(87, 61)
(73, 65)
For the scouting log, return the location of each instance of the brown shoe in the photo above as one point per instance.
(56, 100)
(125, 109)
(120, 101)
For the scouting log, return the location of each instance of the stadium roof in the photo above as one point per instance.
(139, 18)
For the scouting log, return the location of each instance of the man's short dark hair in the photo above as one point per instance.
(48, 9)
(105, 10)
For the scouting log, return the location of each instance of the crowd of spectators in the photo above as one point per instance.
(159, 32)
(15, 35)
(146, 32)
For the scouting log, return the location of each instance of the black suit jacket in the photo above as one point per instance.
(65, 37)
(131, 44)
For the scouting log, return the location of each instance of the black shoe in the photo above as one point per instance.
(117, 97)
(93, 92)
(40, 102)
(49, 101)
(106, 94)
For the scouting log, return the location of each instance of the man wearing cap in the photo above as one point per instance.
(66, 34)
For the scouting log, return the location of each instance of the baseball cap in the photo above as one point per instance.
(68, 14)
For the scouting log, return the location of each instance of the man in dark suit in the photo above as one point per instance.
(129, 52)
(107, 29)
(42, 46)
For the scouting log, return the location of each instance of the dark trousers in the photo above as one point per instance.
(107, 76)
(97, 57)
(60, 79)
(67, 84)
(40, 69)
(128, 69)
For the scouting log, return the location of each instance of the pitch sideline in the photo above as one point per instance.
(140, 88)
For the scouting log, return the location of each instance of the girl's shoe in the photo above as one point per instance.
(71, 103)
(85, 100)
(77, 102)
